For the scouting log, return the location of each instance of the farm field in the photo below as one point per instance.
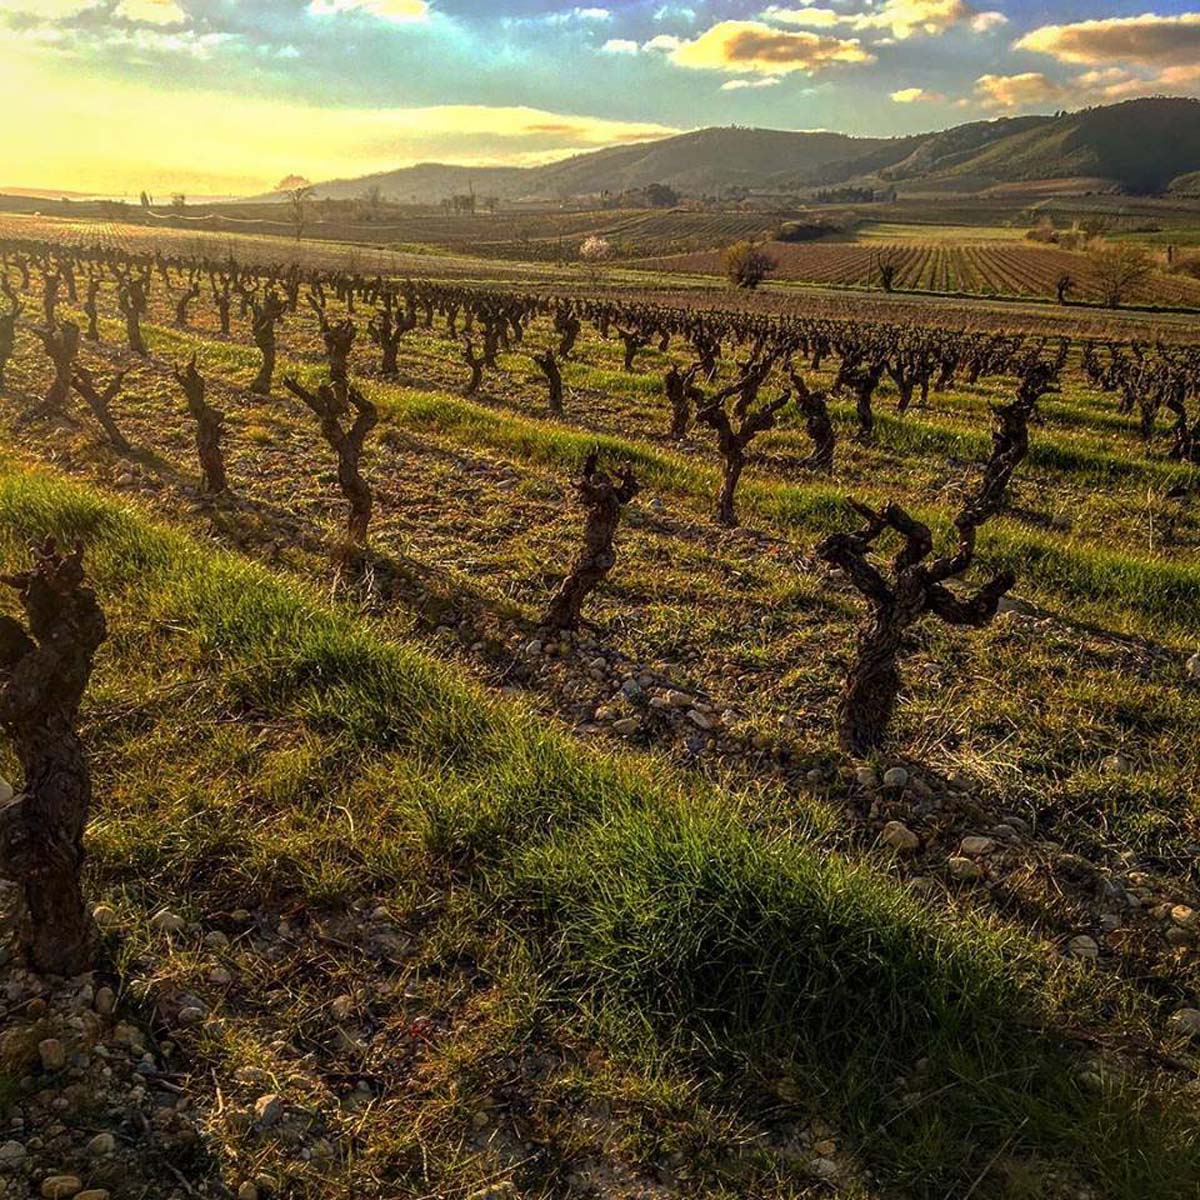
(493, 909)
(992, 267)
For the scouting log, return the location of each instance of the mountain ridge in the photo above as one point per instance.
(1137, 145)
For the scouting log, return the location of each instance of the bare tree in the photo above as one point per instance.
(1118, 267)
(387, 329)
(731, 441)
(265, 317)
(917, 587)
(331, 404)
(817, 423)
(603, 499)
(45, 666)
(681, 393)
(209, 427)
(549, 367)
(62, 346)
(476, 364)
(131, 300)
(8, 326)
(100, 402)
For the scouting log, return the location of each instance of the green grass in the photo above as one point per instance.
(691, 930)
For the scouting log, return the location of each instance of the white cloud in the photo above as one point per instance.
(397, 11)
(619, 46)
(152, 12)
(736, 85)
(809, 18)
(913, 95)
(593, 14)
(988, 22)
(662, 43)
(1018, 91)
(739, 47)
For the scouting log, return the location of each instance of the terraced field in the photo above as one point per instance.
(501, 912)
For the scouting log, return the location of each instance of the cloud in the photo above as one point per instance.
(50, 10)
(741, 46)
(662, 43)
(913, 95)
(735, 85)
(593, 14)
(987, 22)
(619, 46)
(246, 147)
(901, 18)
(152, 12)
(908, 17)
(1017, 91)
(1148, 40)
(810, 18)
(397, 11)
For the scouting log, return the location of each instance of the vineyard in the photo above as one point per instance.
(987, 269)
(531, 741)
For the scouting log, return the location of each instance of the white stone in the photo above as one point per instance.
(1193, 666)
(896, 777)
(699, 719)
(101, 1144)
(11, 1152)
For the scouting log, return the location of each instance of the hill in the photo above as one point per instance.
(1138, 146)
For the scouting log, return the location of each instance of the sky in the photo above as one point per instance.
(230, 96)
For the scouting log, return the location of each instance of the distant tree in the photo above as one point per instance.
(491, 203)
(146, 201)
(1064, 285)
(178, 202)
(887, 266)
(298, 191)
(1118, 267)
(594, 251)
(747, 265)
(659, 195)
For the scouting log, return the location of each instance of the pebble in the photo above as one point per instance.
(1185, 917)
(866, 777)
(53, 1054)
(676, 699)
(105, 916)
(699, 719)
(247, 1191)
(896, 777)
(60, 1187)
(7, 793)
(166, 921)
(106, 1001)
(1117, 764)
(626, 726)
(898, 835)
(93, 1194)
(1083, 946)
(964, 868)
(11, 1152)
(101, 1144)
(268, 1109)
(977, 847)
(191, 1014)
(342, 1007)
(1185, 1022)
(1193, 666)
(216, 940)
